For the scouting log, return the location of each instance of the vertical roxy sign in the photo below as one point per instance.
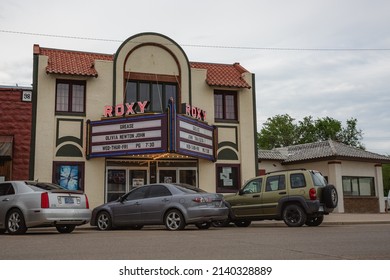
(194, 138)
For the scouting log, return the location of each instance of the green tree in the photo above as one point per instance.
(306, 131)
(327, 128)
(386, 178)
(281, 131)
(350, 135)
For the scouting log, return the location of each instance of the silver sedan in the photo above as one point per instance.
(25, 204)
(172, 205)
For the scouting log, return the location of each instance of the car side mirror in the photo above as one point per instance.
(241, 192)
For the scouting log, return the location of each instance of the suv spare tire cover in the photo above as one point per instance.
(330, 196)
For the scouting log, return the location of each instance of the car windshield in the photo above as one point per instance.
(318, 179)
(188, 188)
(44, 186)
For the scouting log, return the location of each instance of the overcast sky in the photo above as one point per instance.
(311, 58)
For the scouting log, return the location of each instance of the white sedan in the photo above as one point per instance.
(28, 204)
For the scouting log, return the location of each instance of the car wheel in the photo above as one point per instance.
(174, 220)
(294, 215)
(103, 221)
(330, 196)
(15, 222)
(224, 223)
(242, 223)
(65, 228)
(205, 225)
(314, 221)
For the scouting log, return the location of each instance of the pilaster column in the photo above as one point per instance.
(335, 178)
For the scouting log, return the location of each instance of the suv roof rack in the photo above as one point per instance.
(293, 169)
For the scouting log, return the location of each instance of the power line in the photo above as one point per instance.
(201, 45)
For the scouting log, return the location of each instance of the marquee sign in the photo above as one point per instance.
(194, 138)
(132, 132)
(127, 136)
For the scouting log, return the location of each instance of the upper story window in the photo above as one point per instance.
(157, 93)
(70, 97)
(225, 105)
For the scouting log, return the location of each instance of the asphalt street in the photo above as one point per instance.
(354, 241)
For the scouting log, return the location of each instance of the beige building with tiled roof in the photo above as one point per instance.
(357, 174)
(107, 123)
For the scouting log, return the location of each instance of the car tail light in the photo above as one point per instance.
(198, 199)
(44, 200)
(86, 201)
(313, 194)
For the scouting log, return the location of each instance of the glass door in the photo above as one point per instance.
(137, 178)
(167, 176)
(121, 180)
(188, 176)
(116, 183)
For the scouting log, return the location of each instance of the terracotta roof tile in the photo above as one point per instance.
(320, 151)
(226, 75)
(82, 63)
(72, 62)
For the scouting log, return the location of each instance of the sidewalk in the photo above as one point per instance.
(339, 219)
(356, 218)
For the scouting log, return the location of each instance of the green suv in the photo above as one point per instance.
(297, 197)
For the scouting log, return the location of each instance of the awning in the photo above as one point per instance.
(6, 146)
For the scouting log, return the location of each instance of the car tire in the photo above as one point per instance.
(205, 225)
(330, 196)
(174, 220)
(314, 221)
(224, 223)
(294, 216)
(242, 223)
(15, 222)
(103, 221)
(65, 228)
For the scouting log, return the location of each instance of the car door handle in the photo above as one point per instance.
(137, 203)
(6, 199)
(282, 192)
(165, 200)
(256, 195)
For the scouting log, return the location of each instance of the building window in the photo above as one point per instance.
(70, 97)
(69, 175)
(158, 94)
(358, 186)
(225, 105)
(228, 178)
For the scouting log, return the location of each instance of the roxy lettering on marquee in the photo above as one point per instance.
(125, 109)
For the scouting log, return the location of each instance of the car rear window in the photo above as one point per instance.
(44, 186)
(188, 188)
(318, 179)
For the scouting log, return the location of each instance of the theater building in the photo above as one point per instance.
(106, 123)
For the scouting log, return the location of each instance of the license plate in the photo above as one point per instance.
(69, 200)
(217, 203)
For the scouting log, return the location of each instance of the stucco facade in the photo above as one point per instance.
(80, 97)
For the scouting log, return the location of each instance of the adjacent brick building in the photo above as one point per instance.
(15, 132)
